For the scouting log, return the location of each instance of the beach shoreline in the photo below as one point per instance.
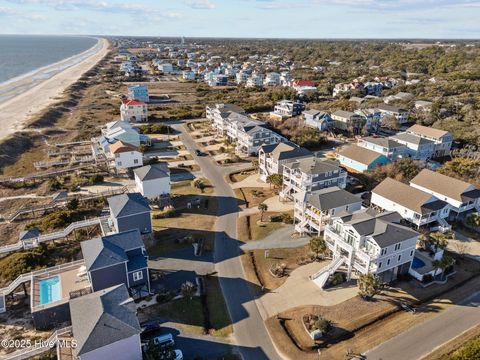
(17, 111)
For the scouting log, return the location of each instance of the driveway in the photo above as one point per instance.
(250, 181)
(465, 244)
(250, 334)
(422, 339)
(279, 239)
(299, 290)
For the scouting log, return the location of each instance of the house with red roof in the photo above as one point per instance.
(304, 86)
(133, 111)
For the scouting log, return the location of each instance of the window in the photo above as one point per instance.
(138, 275)
(135, 161)
(399, 257)
(119, 163)
(397, 246)
(380, 265)
(388, 262)
(411, 253)
(384, 251)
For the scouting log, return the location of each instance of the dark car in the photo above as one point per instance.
(199, 153)
(149, 327)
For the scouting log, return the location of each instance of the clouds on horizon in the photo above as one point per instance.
(247, 18)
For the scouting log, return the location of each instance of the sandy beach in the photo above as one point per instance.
(18, 110)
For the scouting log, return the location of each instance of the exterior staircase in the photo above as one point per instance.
(444, 226)
(39, 347)
(34, 242)
(320, 278)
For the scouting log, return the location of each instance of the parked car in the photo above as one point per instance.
(199, 153)
(163, 340)
(407, 307)
(149, 327)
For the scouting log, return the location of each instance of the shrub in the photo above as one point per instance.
(95, 179)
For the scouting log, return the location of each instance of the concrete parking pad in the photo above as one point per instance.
(299, 290)
(250, 181)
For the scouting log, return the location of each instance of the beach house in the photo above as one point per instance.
(138, 92)
(118, 259)
(360, 159)
(389, 148)
(105, 326)
(317, 119)
(302, 176)
(312, 213)
(271, 158)
(287, 108)
(462, 196)
(420, 208)
(130, 211)
(133, 111)
(348, 121)
(367, 242)
(153, 181)
(442, 139)
(124, 156)
(389, 110)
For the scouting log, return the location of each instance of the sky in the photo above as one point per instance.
(245, 18)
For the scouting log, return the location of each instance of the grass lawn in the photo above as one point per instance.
(188, 313)
(240, 175)
(220, 322)
(262, 276)
(250, 227)
(251, 197)
(197, 222)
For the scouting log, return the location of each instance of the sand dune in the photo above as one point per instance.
(17, 111)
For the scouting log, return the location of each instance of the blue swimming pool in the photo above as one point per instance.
(417, 263)
(50, 290)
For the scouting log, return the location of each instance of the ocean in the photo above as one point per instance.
(22, 54)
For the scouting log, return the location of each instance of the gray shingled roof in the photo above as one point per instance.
(29, 234)
(331, 198)
(313, 165)
(408, 196)
(111, 249)
(383, 227)
(286, 150)
(410, 138)
(102, 318)
(128, 204)
(381, 141)
(152, 172)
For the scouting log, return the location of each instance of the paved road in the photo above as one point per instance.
(250, 333)
(422, 339)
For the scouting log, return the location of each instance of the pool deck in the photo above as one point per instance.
(70, 280)
(427, 267)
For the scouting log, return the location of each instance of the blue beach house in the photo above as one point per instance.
(138, 92)
(360, 159)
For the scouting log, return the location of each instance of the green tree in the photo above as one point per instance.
(318, 245)
(368, 286)
(73, 204)
(188, 290)
(199, 184)
(438, 240)
(391, 122)
(323, 325)
(474, 220)
(255, 164)
(275, 179)
(262, 207)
